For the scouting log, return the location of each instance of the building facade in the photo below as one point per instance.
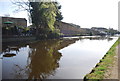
(13, 26)
(18, 22)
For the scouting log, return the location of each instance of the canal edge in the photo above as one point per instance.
(102, 67)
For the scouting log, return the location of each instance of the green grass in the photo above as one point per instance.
(98, 72)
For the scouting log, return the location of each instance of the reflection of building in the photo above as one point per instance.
(19, 22)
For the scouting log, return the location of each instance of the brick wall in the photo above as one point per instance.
(68, 29)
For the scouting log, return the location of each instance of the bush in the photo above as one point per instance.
(53, 35)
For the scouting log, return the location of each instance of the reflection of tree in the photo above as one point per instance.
(19, 71)
(44, 59)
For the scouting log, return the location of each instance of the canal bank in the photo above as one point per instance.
(18, 39)
(107, 68)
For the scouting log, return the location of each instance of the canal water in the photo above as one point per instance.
(68, 58)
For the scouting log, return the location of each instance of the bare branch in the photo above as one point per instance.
(21, 5)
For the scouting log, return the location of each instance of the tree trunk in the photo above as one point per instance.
(37, 32)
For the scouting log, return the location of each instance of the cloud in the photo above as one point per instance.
(1, 15)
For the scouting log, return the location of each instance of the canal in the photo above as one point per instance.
(68, 58)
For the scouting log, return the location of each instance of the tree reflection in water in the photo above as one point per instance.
(40, 59)
(43, 59)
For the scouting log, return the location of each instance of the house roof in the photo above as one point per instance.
(8, 22)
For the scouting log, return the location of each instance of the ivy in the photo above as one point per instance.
(44, 15)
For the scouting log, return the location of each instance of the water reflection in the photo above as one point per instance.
(9, 55)
(54, 59)
(96, 38)
(42, 59)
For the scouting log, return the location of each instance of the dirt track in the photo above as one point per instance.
(119, 62)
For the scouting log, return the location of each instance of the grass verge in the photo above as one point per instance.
(98, 72)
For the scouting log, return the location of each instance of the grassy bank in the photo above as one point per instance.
(98, 72)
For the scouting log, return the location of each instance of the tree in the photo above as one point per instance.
(59, 16)
(43, 15)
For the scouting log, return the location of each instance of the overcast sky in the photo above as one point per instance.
(86, 13)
